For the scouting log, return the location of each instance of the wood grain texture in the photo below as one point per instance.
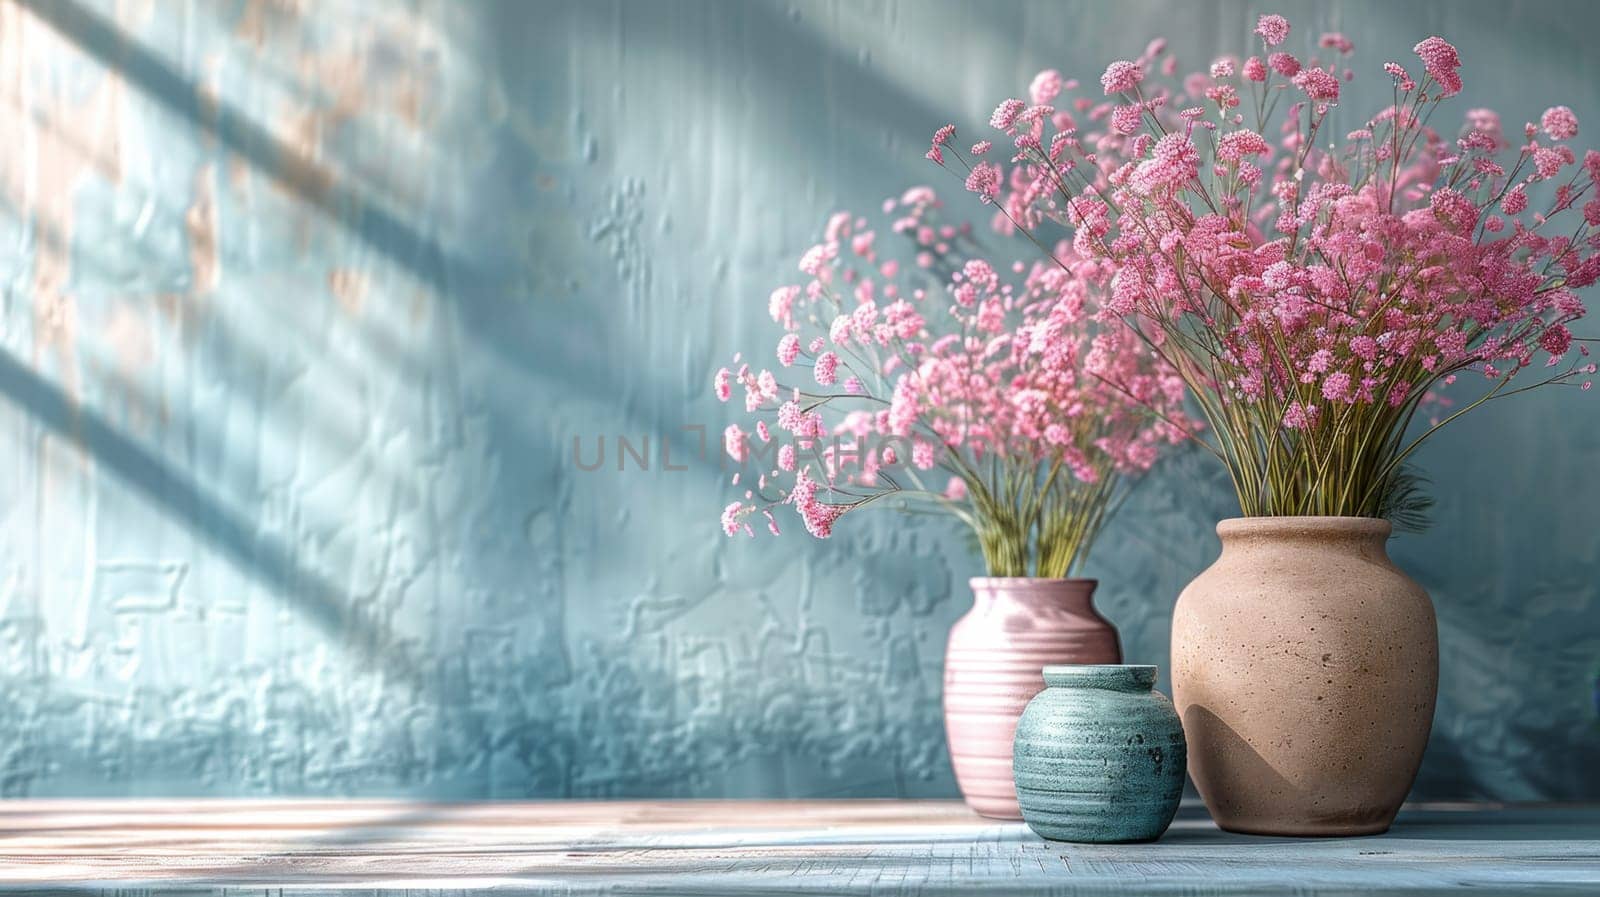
(739, 847)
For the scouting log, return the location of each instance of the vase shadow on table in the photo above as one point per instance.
(1249, 768)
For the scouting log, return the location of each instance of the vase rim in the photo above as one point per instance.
(1304, 525)
(1028, 582)
(1114, 676)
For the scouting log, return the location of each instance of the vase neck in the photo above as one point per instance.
(1049, 593)
(1108, 677)
(1361, 535)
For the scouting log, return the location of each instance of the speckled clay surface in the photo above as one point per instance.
(1099, 756)
(1304, 667)
(993, 665)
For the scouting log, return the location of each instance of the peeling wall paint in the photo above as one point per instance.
(306, 303)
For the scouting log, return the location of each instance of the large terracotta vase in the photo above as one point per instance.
(1304, 668)
(994, 665)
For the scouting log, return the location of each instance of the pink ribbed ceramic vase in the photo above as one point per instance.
(993, 667)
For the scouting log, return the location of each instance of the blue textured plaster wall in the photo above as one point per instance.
(305, 303)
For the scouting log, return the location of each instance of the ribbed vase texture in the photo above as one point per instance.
(1099, 756)
(1304, 667)
(994, 665)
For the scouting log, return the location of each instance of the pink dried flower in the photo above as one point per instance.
(984, 180)
(788, 349)
(1515, 201)
(1005, 115)
(791, 417)
(1126, 290)
(1223, 95)
(1485, 125)
(1441, 61)
(1174, 163)
(1235, 146)
(1273, 29)
(1126, 119)
(817, 515)
(1559, 122)
(731, 518)
(1045, 88)
(1398, 72)
(838, 225)
(781, 305)
(1336, 386)
(1363, 273)
(1333, 40)
(863, 320)
(816, 259)
(826, 366)
(1453, 209)
(1556, 340)
(839, 330)
(1548, 161)
(723, 384)
(941, 137)
(1121, 75)
(735, 443)
(1298, 416)
(1318, 84)
(903, 320)
(999, 368)
(981, 147)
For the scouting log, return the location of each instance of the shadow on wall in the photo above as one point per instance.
(315, 184)
(183, 499)
(664, 719)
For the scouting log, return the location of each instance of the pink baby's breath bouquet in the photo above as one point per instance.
(932, 378)
(1313, 286)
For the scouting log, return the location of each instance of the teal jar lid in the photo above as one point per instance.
(1112, 677)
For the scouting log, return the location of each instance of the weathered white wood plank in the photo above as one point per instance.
(749, 847)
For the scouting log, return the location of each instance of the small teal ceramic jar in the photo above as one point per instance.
(1099, 756)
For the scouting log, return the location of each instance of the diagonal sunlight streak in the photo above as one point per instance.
(264, 557)
(316, 184)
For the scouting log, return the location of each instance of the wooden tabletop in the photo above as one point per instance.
(749, 847)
